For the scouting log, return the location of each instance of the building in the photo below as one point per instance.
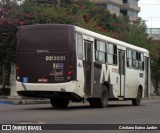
(128, 8)
(154, 33)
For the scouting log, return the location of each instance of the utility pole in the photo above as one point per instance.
(13, 92)
(58, 3)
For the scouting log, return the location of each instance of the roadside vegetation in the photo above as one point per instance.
(81, 13)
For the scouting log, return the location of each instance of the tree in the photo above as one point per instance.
(76, 12)
(8, 26)
(155, 63)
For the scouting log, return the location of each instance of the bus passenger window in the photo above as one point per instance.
(80, 46)
(135, 59)
(129, 58)
(141, 61)
(112, 54)
(100, 51)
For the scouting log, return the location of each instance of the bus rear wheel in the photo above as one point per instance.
(101, 102)
(59, 103)
(136, 101)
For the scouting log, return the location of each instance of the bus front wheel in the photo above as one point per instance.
(136, 101)
(101, 102)
(59, 103)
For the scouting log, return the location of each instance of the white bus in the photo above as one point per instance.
(68, 63)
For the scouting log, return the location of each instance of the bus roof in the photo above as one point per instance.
(109, 39)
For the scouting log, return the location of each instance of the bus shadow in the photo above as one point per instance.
(84, 107)
(108, 107)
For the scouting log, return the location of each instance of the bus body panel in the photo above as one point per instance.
(40, 48)
(80, 79)
(130, 83)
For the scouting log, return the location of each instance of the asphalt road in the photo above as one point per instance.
(79, 113)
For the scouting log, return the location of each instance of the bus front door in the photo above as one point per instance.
(88, 68)
(121, 54)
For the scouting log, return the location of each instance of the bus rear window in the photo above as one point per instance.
(44, 39)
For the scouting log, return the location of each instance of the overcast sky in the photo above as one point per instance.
(150, 11)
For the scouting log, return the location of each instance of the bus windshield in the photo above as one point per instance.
(44, 39)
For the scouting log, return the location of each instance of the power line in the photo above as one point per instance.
(150, 4)
(150, 17)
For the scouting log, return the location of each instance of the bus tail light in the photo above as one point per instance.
(69, 72)
(17, 70)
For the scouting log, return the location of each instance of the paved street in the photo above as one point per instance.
(79, 113)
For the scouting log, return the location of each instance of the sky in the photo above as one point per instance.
(150, 12)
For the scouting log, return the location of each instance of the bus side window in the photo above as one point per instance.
(112, 54)
(80, 46)
(129, 58)
(135, 57)
(141, 61)
(100, 51)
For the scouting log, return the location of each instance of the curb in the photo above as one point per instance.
(25, 102)
(5, 101)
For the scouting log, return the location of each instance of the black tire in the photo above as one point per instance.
(137, 101)
(101, 102)
(59, 103)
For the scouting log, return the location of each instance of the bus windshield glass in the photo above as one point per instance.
(52, 39)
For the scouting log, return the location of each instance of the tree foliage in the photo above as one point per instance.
(8, 24)
(81, 13)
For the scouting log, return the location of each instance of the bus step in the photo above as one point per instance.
(121, 98)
